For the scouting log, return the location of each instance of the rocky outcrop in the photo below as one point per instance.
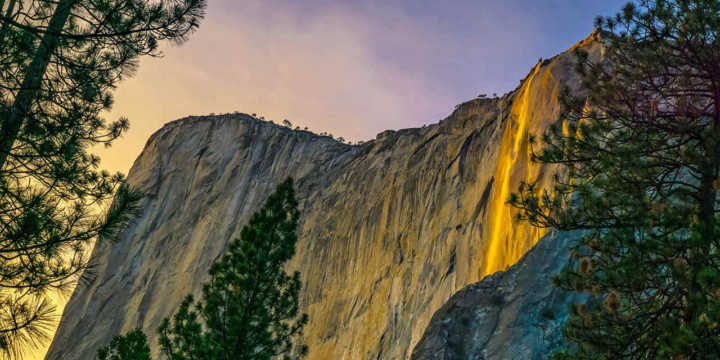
(389, 230)
(513, 314)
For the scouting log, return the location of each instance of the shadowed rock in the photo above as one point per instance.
(513, 314)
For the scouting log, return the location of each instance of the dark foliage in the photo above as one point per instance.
(639, 157)
(59, 62)
(249, 309)
(131, 346)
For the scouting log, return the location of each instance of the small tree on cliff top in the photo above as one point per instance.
(59, 62)
(640, 158)
(249, 309)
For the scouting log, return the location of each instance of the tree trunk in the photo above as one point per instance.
(32, 80)
(8, 12)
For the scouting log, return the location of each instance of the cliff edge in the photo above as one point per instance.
(390, 229)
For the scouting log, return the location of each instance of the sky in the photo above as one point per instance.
(350, 68)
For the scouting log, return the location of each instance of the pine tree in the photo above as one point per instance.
(639, 159)
(59, 62)
(131, 346)
(249, 309)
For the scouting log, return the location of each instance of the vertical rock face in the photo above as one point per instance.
(513, 314)
(389, 231)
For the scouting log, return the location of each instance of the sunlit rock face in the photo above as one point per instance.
(389, 230)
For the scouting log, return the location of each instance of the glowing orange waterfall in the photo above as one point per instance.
(509, 241)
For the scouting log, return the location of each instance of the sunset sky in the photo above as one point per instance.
(351, 68)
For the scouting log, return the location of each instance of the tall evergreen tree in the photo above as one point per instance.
(59, 62)
(249, 309)
(639, 156)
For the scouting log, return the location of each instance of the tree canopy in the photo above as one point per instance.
(131, 346)
(59, 62)
(639, 157)
(249, 309)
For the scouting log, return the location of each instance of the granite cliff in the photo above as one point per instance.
(390, 229)
(511, 314)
